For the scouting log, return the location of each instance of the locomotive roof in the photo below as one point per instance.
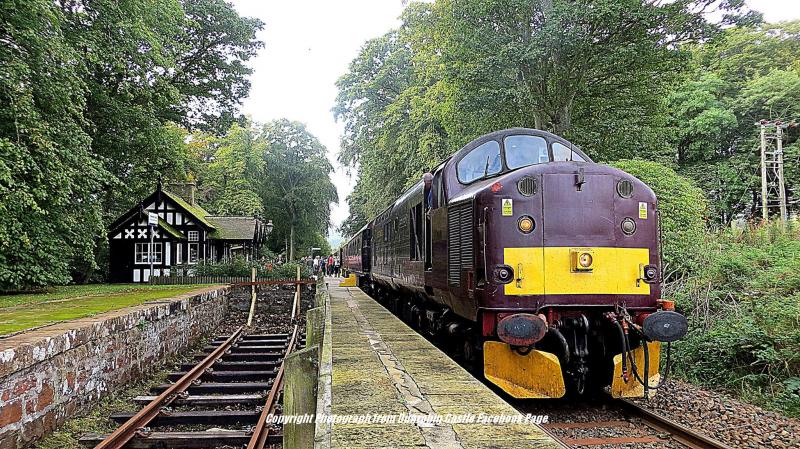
(499, 135)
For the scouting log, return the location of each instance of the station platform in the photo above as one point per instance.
(382, 367)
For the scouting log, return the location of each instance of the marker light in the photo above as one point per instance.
(503, 274)
(628, 226)
(585, 260)
(526, 224)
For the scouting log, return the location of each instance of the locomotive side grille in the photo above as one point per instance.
(459, 241)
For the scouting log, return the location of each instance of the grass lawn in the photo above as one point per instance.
(24, 311)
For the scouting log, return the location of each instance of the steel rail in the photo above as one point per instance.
(127, 431)
(261, 430)
(679, 432)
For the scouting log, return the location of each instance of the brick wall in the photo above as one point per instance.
(46, 375)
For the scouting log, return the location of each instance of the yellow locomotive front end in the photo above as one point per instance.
(571, 299)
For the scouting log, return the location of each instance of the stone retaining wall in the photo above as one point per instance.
(46, 375)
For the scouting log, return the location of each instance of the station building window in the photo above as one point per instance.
(143, 256)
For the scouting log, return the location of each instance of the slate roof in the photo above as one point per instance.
(169, 229)
(233, 228)
(198, 212)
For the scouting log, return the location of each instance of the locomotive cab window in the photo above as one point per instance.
(562, 152)
(522, 151)
(481, 162)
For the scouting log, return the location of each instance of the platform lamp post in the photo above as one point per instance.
(268, 228)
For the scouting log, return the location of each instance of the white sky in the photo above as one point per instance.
(308, 46)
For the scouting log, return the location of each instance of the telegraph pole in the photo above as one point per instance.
(779, 169)
(773, 186)
(764, 198)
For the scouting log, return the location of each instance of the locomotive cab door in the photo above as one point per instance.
(366, 251)
(432, 197)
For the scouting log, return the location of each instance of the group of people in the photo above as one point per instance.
(329, 266)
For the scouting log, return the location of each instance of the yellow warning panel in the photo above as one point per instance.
(349, 281)
(536, 375)
(508, 207)
(643, 210)
(633, 388)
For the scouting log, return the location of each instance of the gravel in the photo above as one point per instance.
(713, 414)
(733, 422)
(594, 411)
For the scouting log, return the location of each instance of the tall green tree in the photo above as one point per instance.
(49, 179)
(596, 72)
(747, 74)
(174, 61)
(232, 178)
(92, 93)
(211, 74)
(297, 190)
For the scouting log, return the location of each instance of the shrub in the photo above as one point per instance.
(682, 207)
(743, 304)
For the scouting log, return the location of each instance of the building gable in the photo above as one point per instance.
(169, 207)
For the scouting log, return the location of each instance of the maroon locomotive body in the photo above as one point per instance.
(527, 257)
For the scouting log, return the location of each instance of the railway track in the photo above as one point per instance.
(614, 424)
(220, 399)
(620, 423)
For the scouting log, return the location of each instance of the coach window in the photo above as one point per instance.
(525, 150)
(482, 161)
(562, 153)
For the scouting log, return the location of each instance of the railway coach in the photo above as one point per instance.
(530, 260)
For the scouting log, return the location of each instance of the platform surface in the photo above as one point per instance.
(381, 366)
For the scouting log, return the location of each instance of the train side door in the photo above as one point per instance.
(366, 251)
(436, 234)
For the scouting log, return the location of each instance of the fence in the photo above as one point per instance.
(246, 280)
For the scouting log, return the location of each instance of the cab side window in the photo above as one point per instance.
(483, 160)
(525, 150)
(562, 153)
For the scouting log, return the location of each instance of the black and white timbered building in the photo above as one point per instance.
(186, 234)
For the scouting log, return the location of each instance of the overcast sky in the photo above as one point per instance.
(309, 44)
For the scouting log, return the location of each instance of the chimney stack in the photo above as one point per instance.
(186, 190)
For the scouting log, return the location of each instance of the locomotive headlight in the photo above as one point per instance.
(526, 224)
(582, 259)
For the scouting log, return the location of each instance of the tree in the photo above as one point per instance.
(49, 213)
(745, 75)
(175, 62)
(594, 71)
(210, 71)
(296, 186)
(231, 179)
(92, 91)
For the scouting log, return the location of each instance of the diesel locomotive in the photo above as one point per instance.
(530, 260)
